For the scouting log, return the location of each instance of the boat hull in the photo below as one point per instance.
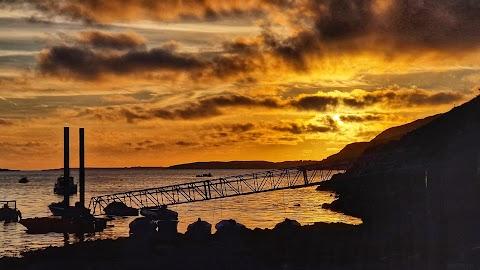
(9, 215)
(23, 180)
(62, 225)
(120, 209)
(122, 212)
(56, 210)
(159, 214)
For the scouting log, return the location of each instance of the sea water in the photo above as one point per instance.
(262, 210)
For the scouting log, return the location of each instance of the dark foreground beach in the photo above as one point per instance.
(318, 246)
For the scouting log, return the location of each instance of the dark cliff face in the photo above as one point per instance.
(429, 176)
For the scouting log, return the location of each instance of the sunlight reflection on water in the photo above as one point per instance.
(262, 210)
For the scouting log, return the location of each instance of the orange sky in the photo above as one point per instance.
(181, 81)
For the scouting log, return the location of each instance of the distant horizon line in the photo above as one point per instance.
(164, 167)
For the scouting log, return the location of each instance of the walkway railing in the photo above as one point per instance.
(214, 189)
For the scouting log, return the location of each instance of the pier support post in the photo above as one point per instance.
(82, 166)
(66, 165)
(305, 176)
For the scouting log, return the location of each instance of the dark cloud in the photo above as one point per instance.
(197, 111)
(403, 98)
(217, 105)
(233, 128)
(294, 128)
(322, 27)
(236, 65)
(209, 107)
(240, 128)
(95, 54)
(105, 40)
(203, 108)
(185, 143)
(291, 128)
(361, 118)
(71, 61)
(435, 99)
(293, 50)
(315, 103)
(435, 23)
(342, 19)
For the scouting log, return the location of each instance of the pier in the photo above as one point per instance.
(238, 185)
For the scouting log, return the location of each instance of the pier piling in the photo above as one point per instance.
(82, 166)
(66, 164)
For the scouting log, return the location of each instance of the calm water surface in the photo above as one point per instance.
(262, 210)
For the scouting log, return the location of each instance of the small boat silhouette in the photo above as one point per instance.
(23, 180)
(9, 211)
(60, 186)
(204, 175)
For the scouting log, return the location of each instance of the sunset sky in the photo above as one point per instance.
(157, 83)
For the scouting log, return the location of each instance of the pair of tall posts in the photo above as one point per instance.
(66, 165)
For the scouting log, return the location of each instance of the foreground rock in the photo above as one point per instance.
(289, 246)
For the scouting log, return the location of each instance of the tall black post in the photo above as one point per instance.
(66, 165)
(82, 166)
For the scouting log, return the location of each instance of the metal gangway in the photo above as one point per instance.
(231, 186)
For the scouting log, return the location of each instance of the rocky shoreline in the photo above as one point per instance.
(287, 246)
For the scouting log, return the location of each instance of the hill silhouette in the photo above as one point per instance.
(422, 188)
(351, 152)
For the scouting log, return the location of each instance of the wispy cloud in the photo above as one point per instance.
(209, 107)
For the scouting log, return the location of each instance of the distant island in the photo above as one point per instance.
(228, 165)
(7, 170)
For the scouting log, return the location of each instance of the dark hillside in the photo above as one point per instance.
(396, 133)
(351, 152)
(425, 186)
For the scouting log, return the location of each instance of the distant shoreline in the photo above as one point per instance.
(8, 170)
(206, 165)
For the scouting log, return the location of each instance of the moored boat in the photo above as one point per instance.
(159, 213)
(23, 180)
(120, 209)
(62, 189)
(204, 175)
(9, 212)
(87, 224)
(56, 208)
